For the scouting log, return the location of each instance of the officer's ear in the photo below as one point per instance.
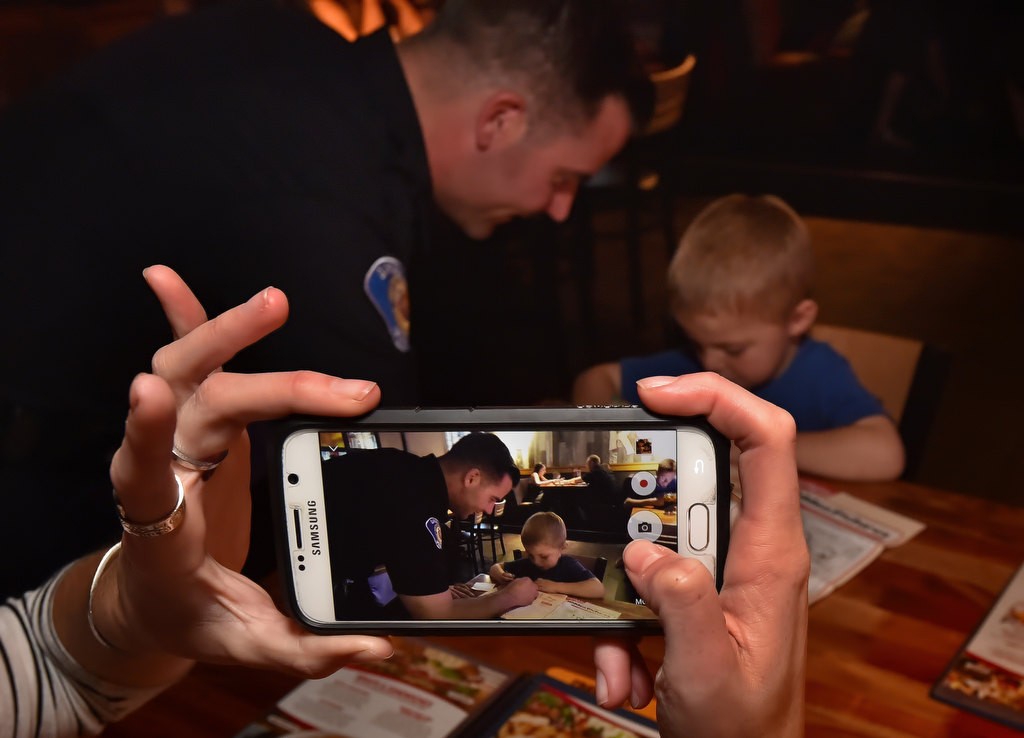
(501, 121)
(471, 478)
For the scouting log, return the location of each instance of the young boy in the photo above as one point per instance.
(740, 288)
(543, 538)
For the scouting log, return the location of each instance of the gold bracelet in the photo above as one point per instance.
(109, 556)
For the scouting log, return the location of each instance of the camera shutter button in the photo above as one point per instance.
(644, 525)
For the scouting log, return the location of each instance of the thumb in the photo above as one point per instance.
(334, 652)
(682, 592)
(314, 656)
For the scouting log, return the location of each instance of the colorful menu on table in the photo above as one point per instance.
(987, 674)
(431, 692)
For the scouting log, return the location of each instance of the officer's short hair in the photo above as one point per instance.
(483, 451)
(571, 54)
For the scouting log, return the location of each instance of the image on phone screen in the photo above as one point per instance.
(505, 525)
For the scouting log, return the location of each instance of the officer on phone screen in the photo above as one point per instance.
(395, 566)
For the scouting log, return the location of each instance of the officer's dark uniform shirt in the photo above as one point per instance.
(567, 570)
(384, 507)
(244, 145)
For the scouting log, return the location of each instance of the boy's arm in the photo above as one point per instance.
(643, 502)
(499, 576)
(868, 450)
(598, 385)
(591, 588)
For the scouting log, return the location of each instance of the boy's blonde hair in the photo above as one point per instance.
(742, 254)
(543, 527)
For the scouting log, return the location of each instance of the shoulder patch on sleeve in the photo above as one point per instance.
(434, 528)
(386, 286)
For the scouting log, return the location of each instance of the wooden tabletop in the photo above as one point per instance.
(875, 645)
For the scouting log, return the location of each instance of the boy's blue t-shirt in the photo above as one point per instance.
(567, 569)
(818, 388)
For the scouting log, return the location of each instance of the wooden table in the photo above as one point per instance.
(562, 482)
(875, 645)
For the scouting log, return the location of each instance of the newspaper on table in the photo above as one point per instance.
(845, 533)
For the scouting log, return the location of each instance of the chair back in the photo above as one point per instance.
(595, 564)
(884, 364)
(469, 541)
(906, 375)
(670, 88)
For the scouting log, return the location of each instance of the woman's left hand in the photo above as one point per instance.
(179, 593)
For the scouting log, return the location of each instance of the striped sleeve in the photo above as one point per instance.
(44, 693)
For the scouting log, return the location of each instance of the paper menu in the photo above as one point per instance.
(422, 690)
(355, 702)
(987, 675)
(550, 709)
(837, 554)
(1000, 639)
(888, 527)
(844, 534)
(428, 691)
(560, 607)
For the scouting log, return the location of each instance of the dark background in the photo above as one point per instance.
(917, 233)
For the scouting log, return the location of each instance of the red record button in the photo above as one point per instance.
(643, 483)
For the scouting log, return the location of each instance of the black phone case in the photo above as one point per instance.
(486, 418)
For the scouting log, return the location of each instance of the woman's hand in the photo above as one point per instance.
(178, 595)
(734, 661)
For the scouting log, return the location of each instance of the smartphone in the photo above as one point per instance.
(394, 521)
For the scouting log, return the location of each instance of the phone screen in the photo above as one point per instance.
(483, 526)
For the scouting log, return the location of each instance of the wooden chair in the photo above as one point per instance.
(470, 544)
(596, 565)
(634, 182)
(670, 90)
(489, 530)
(907, 376)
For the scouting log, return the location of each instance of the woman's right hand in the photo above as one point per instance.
(734, 660)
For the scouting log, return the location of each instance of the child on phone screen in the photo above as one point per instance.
(546, 563)
(740, 287)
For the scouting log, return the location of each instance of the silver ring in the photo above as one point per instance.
(199, 465)
(164, 525)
